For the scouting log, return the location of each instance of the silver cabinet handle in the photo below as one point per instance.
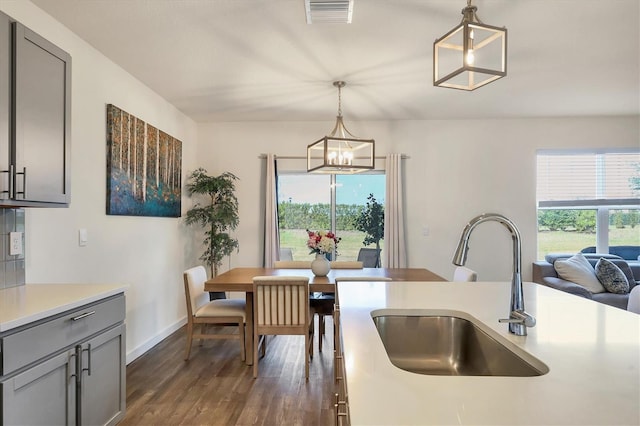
(84, 315)
(72, 364)
(24, 183)
(9, 177)
(88, 351)
(78, 383)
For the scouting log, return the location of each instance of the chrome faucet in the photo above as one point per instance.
(518, 319)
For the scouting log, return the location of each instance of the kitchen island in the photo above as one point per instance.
(592, 352)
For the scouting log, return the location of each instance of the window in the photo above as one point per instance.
(325, 202)
(587, 199)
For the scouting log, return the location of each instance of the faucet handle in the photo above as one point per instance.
(520, 317)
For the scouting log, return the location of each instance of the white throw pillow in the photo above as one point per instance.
(578, 270)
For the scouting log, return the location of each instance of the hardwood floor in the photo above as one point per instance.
(215, 388)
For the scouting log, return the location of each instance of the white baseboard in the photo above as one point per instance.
(143, 348)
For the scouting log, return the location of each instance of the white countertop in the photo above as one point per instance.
(27, 303)
(592, 351)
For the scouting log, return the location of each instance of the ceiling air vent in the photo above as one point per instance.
(328, 11)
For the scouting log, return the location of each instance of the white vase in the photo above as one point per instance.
(320, 266)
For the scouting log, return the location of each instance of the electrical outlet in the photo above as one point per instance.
(15, 243)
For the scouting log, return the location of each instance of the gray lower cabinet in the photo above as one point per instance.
(42, 395)
(101, 394)
(78, 380)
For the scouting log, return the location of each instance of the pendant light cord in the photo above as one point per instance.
(339, 85)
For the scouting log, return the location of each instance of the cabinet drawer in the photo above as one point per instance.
(31, 344)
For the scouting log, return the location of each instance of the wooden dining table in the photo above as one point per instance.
(241, 280)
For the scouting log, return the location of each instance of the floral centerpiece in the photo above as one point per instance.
(322, 242)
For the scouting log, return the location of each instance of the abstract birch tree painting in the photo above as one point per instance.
(144, 168)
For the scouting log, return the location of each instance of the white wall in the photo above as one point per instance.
(457, 169)
(148, 254)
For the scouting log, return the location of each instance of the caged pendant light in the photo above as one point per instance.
(340, 152)
(470, 55)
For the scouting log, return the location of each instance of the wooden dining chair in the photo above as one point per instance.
(204, 313)
(281, 306)
(286, 253)
(292, 264)
(346, 264)
(370, 257)
(633, 305)
(322, 303)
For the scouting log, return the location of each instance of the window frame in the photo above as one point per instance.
(603, 206)
(333, 192)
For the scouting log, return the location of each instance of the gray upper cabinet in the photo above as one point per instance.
(35, 119)
(6, 104)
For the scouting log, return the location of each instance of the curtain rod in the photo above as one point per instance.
(285, 157)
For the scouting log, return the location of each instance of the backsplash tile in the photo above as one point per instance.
(10, 274)
(9, 220)
(20, 272)
(2, 280)
(4, 246)
(12, 268)
(19, 220)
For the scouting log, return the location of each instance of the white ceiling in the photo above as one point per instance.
(254, 60)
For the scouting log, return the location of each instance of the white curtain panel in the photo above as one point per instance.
(395, 252)
(271, 233)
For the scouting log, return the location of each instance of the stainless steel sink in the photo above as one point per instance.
(449, 345)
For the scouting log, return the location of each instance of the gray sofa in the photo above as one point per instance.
(626, 252)
(544, 273)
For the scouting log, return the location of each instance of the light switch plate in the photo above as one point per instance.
(15, 243)
(83, 238)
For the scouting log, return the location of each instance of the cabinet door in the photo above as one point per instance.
(5, 103)
(42, 395)
(42, 117)
(102, 391)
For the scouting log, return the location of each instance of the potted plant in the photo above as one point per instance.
(218, 216)
(371, 222)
